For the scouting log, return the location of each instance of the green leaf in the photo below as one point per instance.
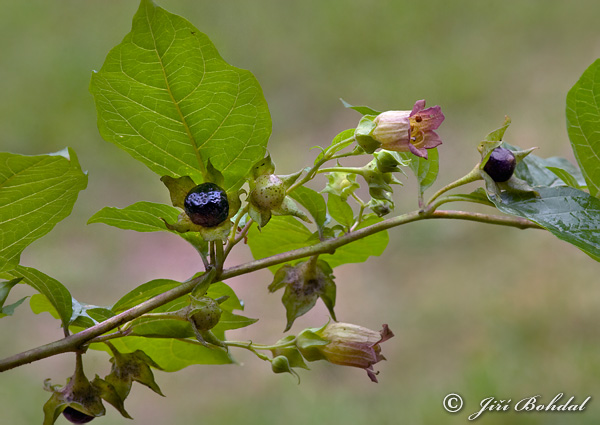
(58, 296)
(498, 134)
(36, 192)
(9, 310)
(359, 251)
(339, 210)
(145, 217)
(141, 217)
(565, 176)
(364, 110)
(167, 97)
(281, 235)
(570, 214)
(313, 202)
(426, 170)
(156, 287)
(170, 354)
(5, 288)
(143, 293)
(583, 125)
(40, 304)
(284, 234)
(537, 171)
(229, 321)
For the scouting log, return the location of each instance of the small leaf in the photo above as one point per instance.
(359, 251)
(9, 310)
(167, 97)
(146, 217)
(565, 176)
(498, 134)
(313, 202)
(36, 192)
(52, 289)
(426, 170)
(281, 235)
(364, 110)
(340, 211)
(583, 125)
(5, 288)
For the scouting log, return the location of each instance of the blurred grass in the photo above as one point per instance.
(476, 310)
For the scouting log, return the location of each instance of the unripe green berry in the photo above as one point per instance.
(269, 192)
(207, 316)
(207, 205)
(501, 165)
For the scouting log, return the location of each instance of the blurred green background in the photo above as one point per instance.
(477, 310)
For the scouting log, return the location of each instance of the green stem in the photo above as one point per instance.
(360, 212)
(313, 171)
(351, 170)
(474, 175)
(456, 198)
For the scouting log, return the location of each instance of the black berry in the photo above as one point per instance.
(75, 416)
(501, 165)
(207, 205)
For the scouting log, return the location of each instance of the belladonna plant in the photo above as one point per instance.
(165, 96)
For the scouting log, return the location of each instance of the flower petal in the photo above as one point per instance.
(419, 105)
(422, 152)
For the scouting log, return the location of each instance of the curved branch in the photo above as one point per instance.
(74, 342)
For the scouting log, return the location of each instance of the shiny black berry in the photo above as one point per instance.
(75, 416)
(501, 165)
(207, 205)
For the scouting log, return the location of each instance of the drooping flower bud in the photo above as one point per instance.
(349, 345)
(409, 131)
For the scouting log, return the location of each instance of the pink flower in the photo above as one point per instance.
(413, 131)
(351, 345)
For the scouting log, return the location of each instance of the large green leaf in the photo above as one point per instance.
(167, 97)
(583, 125)
(570, 214)
(36, 192)
(284, 234)
(55, 292)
